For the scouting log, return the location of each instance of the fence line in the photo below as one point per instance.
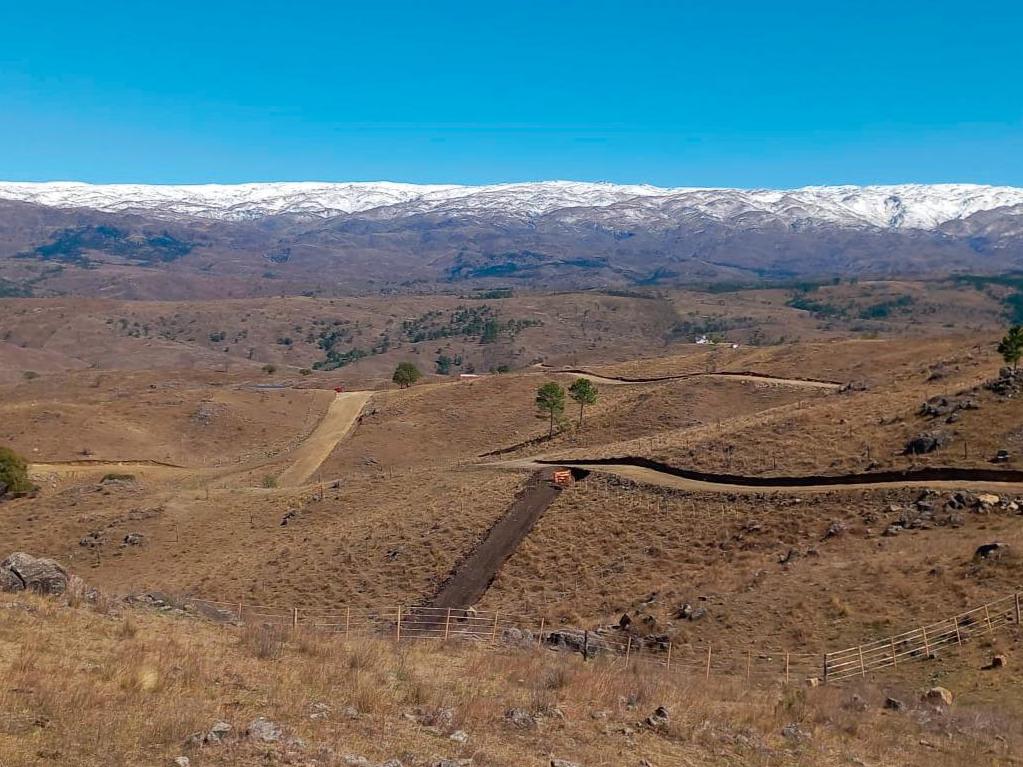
(754, 663)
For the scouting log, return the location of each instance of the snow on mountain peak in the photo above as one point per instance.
(910, 206)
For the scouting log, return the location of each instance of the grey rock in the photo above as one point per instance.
(994, 550)
(23, 571)
(219, 732)
(927, 442)
(133, 539)
(351, 760)
(894, 704)
(262, 729)
(659, 718)
(562, 763)
(181, 761)
(459, 736)
(794, 732)
(520, 718)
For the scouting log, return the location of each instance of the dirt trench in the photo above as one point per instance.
(472, 576)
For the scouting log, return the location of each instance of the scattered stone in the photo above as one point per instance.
(319, 711)
(289, 517)
(351, 760)
(181, 761)
(133, 539)
(459, 736)
(794, 732)
(453, 763)
(520, 718)
(562, 763)
(988, 499)
(392, 763)
(21, 571)
(659, 719)
(998, 661)
(894, 704)
(350, 712)
(262, 729)
(834, 529)
(219, 732)
(938, 696)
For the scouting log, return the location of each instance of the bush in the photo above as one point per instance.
(269, 481)
(269, 369)
(29, 375)
(13, 472)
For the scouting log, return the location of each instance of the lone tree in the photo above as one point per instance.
(550, 399)
(406, 374)
(1011, 346)
(584, 393)
(13, 472)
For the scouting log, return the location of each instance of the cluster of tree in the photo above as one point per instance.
(550, 398)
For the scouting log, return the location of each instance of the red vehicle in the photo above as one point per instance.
(339, 389)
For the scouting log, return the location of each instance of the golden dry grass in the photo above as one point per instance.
(86, 688)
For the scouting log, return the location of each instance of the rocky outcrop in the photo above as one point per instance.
(23, 572)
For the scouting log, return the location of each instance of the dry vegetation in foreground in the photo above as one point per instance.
(117, 686)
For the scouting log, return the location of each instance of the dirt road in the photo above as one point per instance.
(336, 423)
(751, 377)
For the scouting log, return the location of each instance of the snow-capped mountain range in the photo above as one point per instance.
(902, 207)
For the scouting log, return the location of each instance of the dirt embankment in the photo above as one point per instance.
(473, 575)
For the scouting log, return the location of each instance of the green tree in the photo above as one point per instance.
(550, 400)
(584, 393)
(406, 374)
(1011, 346)
(13, 472)
(490, 329)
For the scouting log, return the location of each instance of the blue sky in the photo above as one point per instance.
(706, 93)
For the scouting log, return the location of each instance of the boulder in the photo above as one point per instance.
(999, 661)
(894, 704)
(520, 718)
(562, 763)
(938, 696)
(991, 550)
(263, 730)
(988, 499)
(133, 539)
(659, 718)
(219, 732)
(22, 571)
(927, 442)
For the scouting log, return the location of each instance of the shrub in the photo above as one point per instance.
(269, 481)
(13, 472)
(269, 369)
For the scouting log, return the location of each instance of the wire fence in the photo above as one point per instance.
(757, 664)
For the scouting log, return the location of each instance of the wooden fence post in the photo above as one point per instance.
(749, 665)
(786, 668)
(628, 652)
(959, 636)
(241, 608)
(294, 619)
(987, 617)
(708, 660)
(397, 628)
(447, 624)
(348, 621)
(1018, 621)
(863, 669)
(539, 636)
(895, 657)
(825, 668)
(669, 656)
(927, 649)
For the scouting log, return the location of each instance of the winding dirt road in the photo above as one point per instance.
(750, 377)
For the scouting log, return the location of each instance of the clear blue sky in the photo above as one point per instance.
(707, 93)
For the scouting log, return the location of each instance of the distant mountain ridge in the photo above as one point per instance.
(137, 240)
(907, 206)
